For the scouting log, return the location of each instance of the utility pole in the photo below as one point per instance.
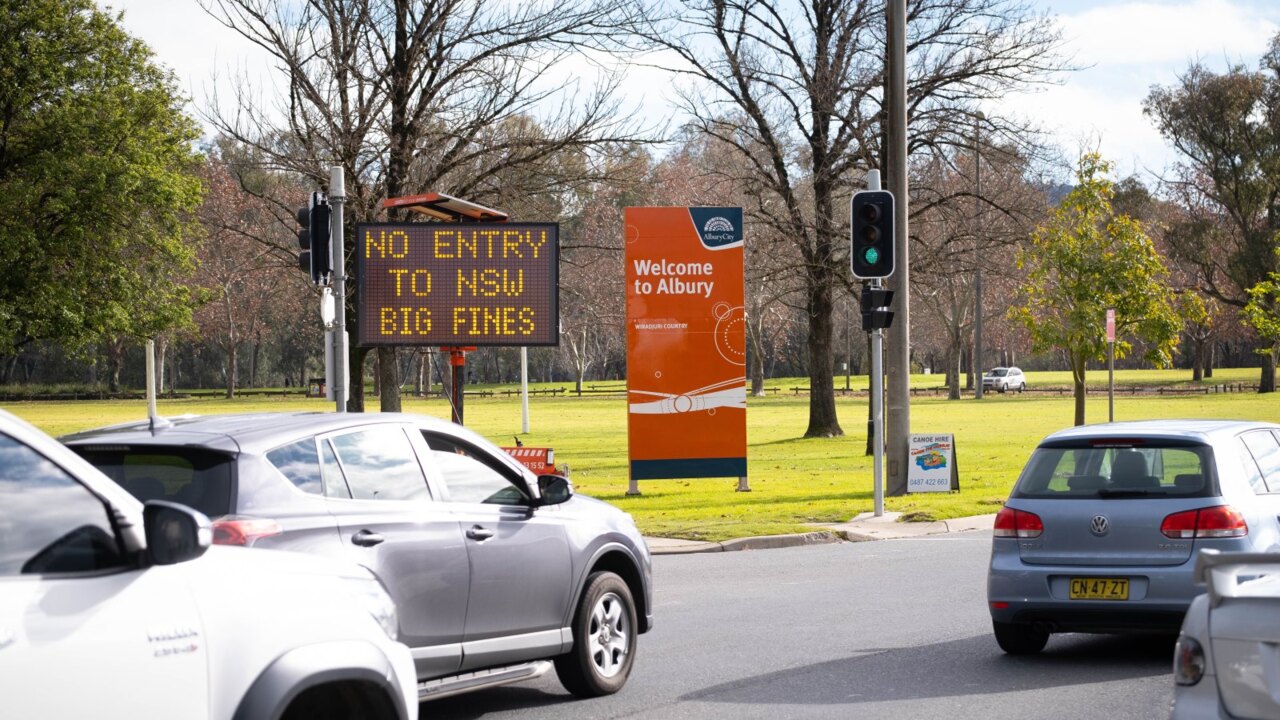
(898, 400)
(977, 254)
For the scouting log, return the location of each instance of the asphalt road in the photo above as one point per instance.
(887, 629)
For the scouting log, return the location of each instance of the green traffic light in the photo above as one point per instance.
(871, 256)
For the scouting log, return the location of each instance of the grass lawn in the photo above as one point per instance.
(794, 481)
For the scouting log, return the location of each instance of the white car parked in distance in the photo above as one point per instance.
(1004, 378)
(1224, 664)
(112, 609)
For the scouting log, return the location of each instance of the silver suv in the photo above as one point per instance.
(113, 609)
(1004, 378)
(497, 574)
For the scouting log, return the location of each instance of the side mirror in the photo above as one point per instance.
(175, 533)
(554, 489)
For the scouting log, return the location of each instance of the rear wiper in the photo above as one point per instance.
(1109, 493)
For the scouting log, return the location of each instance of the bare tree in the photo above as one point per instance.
(240, 274)
(950, 241)
(795, 86)
(415, 95)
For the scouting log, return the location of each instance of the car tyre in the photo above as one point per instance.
(1020, 638)
(604, 639)
(1022, 387)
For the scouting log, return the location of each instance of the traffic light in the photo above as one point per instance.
(876, 314)
(871, 252)
(313, 239)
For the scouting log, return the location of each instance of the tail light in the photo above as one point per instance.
(244, 531)
(1017, 523)
(1219, 521)
(1188, 661)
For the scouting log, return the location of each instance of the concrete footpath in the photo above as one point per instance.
(863, 527)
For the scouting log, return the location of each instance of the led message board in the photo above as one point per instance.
(457, 284)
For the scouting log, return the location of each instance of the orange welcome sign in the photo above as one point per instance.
(686, 343)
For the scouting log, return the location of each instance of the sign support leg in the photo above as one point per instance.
(458, 362)
(524, 390)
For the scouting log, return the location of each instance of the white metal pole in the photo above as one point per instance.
(151, 379)
(338, 255)
(524, 389)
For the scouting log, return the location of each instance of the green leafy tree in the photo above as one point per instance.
(1084, 260)
(96, 172)
(1226, 130)
(1262, 313)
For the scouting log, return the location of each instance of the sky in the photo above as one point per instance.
(1122, 47)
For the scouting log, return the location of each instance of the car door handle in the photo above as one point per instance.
(366, 538)
(479, 533)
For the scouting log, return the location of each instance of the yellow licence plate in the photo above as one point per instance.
(1099, 588)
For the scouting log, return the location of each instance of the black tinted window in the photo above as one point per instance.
(49, 523)
(379, 464)
(199, 479)
(300, 463)
(1099, 471)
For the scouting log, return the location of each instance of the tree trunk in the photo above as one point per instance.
(755, 357)
(445, 375)
(1267, 384)
(230, 371)
(355, 397)
(1077, 381)
(401, 152)
(162, 347)
(253, 363)
(822, 396)
(389, 379)
(1197, 361)
(115, 364)
(953, 371)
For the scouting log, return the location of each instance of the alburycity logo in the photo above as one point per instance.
(718, 231)
(718, 224)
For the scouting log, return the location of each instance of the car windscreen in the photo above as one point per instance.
(999, 372)
(1118, 470)
(199, 479)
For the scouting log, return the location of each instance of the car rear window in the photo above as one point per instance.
(1117, 471)
(200, 479)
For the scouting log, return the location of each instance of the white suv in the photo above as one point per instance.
(110, 609)
(1002, 378)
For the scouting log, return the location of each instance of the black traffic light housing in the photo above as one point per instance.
(313, 239)
(876, 314)
(871, 251)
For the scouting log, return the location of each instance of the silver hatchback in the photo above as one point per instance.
(1101, 529)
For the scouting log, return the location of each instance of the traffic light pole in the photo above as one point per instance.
(341, 377)
(877, 413)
